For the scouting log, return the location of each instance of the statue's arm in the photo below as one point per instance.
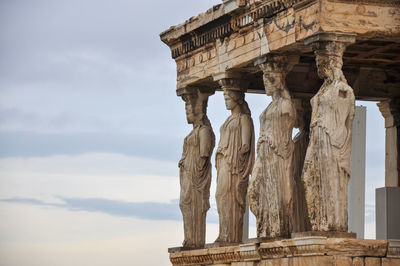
(341, 129)
(288, 108)
(288, 114)
(247, 134)
(205, 137)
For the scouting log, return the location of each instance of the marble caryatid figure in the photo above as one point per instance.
(234, 162)
(326, 170)
(300, 141)
(271, 184)
(195, 168)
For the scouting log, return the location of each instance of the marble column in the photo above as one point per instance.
(326, 170)
(234, 161)
(388, 198)
(390, 110)
(195, 168)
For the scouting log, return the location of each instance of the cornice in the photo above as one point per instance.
(395, 3)
(219, 22)
(227, 24)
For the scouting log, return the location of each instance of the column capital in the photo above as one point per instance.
(330, 45)
(234, 84)
(322, 37)
(229, 74)
(275, 67)
(195, 90)
(390, 110)
(276, 63)
(231, 80)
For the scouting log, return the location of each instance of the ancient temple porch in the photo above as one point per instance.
(231, 41)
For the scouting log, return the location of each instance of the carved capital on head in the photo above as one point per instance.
(330, 37)
(329, 49)
(206, 90)
(196, 99)
(276, 64)
(233, 84)
(231, 80)
(275, 67)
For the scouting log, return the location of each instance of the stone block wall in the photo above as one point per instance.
(307, 251)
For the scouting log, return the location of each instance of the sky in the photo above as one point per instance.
(91, 131)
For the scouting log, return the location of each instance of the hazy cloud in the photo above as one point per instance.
(30, 144)
(143, 210)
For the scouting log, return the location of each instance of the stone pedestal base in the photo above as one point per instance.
(387, 212)
(326, 234)
(307, 251)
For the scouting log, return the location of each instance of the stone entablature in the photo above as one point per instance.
(314, 250)
(223, 39)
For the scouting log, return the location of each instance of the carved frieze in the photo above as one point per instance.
(227, 25)
(370, 2)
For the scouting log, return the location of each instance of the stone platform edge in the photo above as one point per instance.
(313, 250)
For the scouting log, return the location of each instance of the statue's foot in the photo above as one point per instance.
(220, 240)
(187, 244)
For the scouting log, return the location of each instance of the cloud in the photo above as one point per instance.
(91, 175)
(31, 144)
(34, 235)
(142, 210)
(369, 213)
(81, 66)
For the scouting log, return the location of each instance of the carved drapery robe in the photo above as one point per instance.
(326, 170)
(233, 169)
(271, 184)
(300, 141)
(195, 180)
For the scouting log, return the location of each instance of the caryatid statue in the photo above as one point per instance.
(234, 162)
(326, 170)
(271, 183)
(195, 168)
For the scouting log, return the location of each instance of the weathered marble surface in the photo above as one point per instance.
(390, 110)
(247, 36)
(195, 169)
(300, 143)
(234, 162)
(326, 170)
(308, 251)
(271, 185)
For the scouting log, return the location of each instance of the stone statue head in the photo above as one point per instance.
(190, 114)
(235, 98)
(275, 70)
(273, 82)
(196, 106)
(232, 99)
(329, 61)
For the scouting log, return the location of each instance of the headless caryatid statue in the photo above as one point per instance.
(234, 162)
(271, 184)
(326, 170)
(300, 141)
(195, 169)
